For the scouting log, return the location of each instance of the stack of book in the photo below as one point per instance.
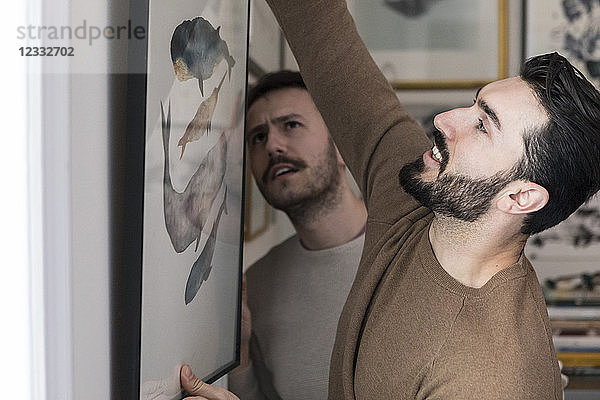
(574, 310)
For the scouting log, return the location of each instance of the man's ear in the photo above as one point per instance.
(522, 197)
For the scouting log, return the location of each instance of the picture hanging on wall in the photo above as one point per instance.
(177, 294)
(427, 44)
(571, 28)
(570, 248)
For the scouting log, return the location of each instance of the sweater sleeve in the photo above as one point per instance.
(372, 130)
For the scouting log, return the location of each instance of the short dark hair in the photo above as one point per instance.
(274, 81)
(563, 156)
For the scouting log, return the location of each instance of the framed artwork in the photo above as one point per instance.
(568, 27)
(571, 247)
(435, 44)
(177, 293)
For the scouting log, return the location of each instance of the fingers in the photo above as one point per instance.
(189, 381)
(202, 390)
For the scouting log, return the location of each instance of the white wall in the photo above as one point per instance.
(81, 120)
(98, 125)
(16, 364)
(91, 234)
(92, 125)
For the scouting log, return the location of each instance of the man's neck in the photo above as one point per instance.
(333, 226)
(472, 253)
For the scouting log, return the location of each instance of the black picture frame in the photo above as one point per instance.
(130, 268)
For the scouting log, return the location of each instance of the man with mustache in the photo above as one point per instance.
(445, 305)
(296, 292)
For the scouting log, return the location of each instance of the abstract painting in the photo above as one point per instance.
(191, 100)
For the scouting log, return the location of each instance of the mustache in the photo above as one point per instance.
(294, 162)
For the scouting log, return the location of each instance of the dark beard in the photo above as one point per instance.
(453, 195)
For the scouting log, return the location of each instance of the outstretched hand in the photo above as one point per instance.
(199, 390)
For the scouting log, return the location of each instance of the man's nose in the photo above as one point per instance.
(449, 121)
(276, 143)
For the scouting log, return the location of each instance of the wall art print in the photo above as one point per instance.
(192, 98)
(571, 247)
(572, 28)
(435, 44)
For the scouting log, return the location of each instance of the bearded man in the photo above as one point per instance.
(445, 305)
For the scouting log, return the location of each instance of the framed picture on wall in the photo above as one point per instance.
(177, 290)
(568, 27)
(571, 247)
(435, 44)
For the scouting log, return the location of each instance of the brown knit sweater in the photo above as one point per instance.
(408, 329)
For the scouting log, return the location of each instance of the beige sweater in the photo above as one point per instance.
(295, 297)
(408, 329)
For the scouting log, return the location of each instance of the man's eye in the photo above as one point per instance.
(258, 138)
(292, 124)
(480, 126)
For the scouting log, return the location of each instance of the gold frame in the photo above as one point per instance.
(468, 84)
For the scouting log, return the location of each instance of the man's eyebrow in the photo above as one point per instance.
(490, 113)
(286, 117)
(276, 120)
(255, 129)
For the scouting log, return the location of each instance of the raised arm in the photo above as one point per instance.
(368, 123)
